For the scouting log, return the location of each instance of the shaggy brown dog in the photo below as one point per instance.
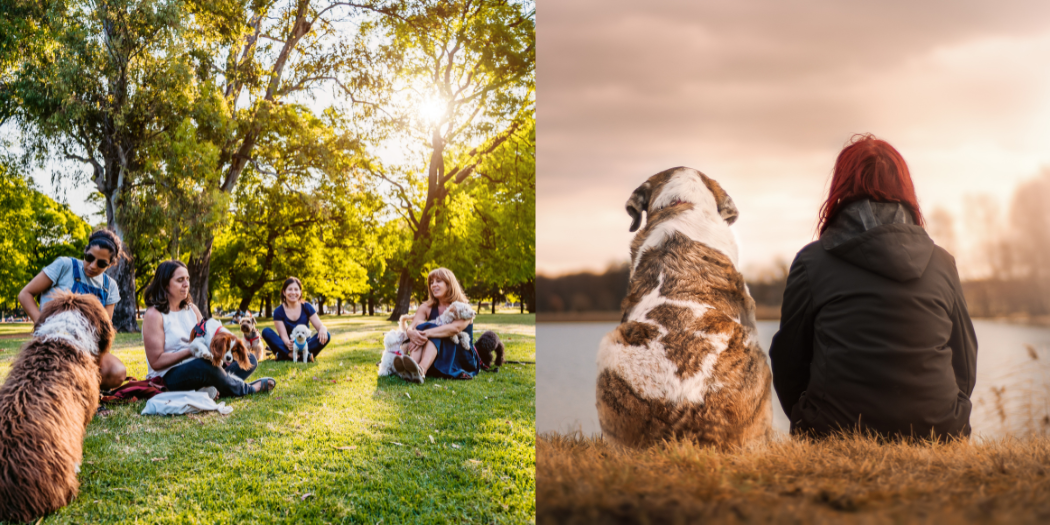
(46, 404)
(251, 335)
(489, 346)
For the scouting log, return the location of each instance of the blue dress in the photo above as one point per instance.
(452, 360)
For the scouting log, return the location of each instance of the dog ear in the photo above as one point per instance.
(240, 354)
(219, 344)
(726, 208)
(638, 203)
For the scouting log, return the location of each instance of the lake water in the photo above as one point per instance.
(1012, 396)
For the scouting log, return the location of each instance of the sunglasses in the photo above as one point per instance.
(88, 259)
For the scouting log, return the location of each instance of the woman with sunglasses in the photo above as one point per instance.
(85, 277)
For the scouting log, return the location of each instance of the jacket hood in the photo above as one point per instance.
(880, 237)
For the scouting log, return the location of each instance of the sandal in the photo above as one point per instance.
(412, 370)
(399, 366)
(464, 376)
(269, 385)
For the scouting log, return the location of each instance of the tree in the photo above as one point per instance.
(462, 85)
(302, 208)
(277, 51)
(113, 82)
(37, 230)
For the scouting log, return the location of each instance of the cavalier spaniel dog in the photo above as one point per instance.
(212, 342)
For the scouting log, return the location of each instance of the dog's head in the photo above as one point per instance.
(227, 348)
(680, 187)
(77, 312)
(462, 310)
(247, 324)
(300, 334)
(489, 346)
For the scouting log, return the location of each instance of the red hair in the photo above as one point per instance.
(869, 168)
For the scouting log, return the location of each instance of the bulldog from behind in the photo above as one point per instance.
(685, 360)
(46, 403)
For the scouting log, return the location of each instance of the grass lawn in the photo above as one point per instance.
(850, 480)
(331, 444)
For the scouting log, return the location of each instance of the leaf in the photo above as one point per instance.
(304, 496)
(350, 447)
(408, 396)
(396, 443)
(455, 445)
(158, 459)
(431, 438)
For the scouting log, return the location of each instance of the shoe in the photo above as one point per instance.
(464, 376)
(212, 392)
(269, 385)
(415, 374)
(399, 367)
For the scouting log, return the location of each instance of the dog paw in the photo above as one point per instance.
(199, 350)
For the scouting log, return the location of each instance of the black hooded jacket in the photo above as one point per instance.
(874, 330)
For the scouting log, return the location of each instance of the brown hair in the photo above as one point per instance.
(454, 289)
(288, 282)
(156, 294)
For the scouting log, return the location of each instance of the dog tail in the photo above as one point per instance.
(403, 322)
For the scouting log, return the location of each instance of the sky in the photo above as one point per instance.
(761, 96)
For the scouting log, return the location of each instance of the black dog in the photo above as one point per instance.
(487, 345)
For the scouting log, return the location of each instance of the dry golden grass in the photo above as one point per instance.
(851, 479)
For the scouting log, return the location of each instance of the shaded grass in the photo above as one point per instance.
(332, 444)
(852, 479)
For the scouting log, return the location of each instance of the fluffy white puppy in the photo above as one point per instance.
(394, 346)
(456, 311)
(299, 336)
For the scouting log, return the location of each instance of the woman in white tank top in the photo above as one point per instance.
(165, 328)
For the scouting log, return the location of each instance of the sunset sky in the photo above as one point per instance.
(761, 96)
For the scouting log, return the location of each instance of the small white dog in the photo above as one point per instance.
(299, 336)
(456, 311)
(394, 345)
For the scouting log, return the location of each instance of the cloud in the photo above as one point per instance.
(762, 95)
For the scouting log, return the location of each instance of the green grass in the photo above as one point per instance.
(331, 444)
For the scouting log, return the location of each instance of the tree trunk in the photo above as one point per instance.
(403, 301)
(339, 307)
(371, 306)
(124, 318)
(495, 296)
(269, 310)
(199, 268)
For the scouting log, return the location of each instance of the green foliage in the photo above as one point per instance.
(37, 230)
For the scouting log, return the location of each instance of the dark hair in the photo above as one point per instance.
(869, 168)
(288, 282)
(105, 238)
(156, 294)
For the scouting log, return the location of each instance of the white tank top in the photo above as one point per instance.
(177, 326)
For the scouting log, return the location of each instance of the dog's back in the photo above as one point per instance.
(685, 360)
(48, 399)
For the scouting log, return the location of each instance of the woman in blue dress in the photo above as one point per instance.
(433, 353)
(293, 312)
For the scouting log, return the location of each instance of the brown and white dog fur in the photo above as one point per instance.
(685, 361)
(218, 346)
(252, 338)
(46, 403)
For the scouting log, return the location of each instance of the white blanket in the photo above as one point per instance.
(172, 403)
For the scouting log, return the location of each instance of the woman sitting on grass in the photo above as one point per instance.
(874, 333)
(291, 313)
(166, 327)
(84, 277)
(432, 351)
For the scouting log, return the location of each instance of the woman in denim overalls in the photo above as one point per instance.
(82, 276)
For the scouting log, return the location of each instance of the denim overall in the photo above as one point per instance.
(80, 287)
